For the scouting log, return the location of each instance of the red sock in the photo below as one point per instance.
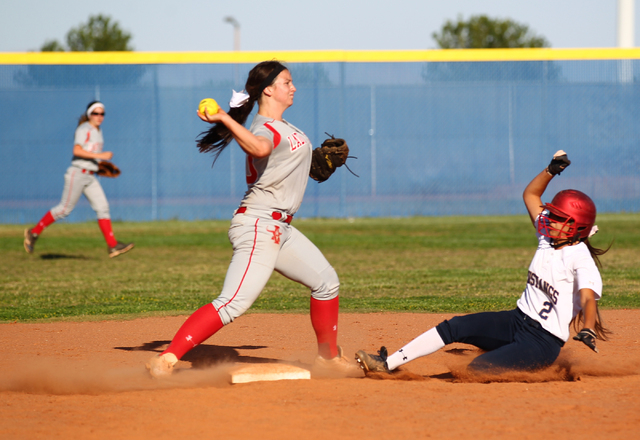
(324, 319)
(45, 221)
(105, 227)
(200, 326)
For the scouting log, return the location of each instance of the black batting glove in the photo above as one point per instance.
(588, 337)
(559, 162)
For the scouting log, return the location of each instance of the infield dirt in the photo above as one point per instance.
(86, 380)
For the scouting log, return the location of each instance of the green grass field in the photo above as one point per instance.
(443, 264)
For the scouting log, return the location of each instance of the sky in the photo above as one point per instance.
(284, 25)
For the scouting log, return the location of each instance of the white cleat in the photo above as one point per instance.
(337, 367)
(161, 366)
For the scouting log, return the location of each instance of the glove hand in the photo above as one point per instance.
(333, 153)
(559, 162)
(588, 337)
(108, 169)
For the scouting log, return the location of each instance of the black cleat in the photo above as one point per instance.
(372, 363)
(120, 248)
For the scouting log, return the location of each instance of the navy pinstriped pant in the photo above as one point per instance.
(512, 340)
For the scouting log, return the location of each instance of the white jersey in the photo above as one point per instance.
(552, 294)
(90, 139)
(278, 181)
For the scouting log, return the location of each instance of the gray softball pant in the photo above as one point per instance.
(76, 183)
(262, 245)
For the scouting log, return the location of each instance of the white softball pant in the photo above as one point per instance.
(76, 183)
(262, 245)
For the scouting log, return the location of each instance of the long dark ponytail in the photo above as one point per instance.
(600, 329)
(217, 138)
(596, 252)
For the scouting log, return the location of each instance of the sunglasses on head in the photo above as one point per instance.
(97, 114)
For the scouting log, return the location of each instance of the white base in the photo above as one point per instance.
(265, 372)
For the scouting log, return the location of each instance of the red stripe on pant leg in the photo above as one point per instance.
(71, 180)
(199, 327)
(105, 227)
(45, 221)
(324, 319)
(244, 275)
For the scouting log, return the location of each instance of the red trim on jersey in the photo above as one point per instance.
(276, 135)
(253, 173)
(255, 239)
(88, 136)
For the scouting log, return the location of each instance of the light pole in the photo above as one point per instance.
(626, 37)
(236, 32)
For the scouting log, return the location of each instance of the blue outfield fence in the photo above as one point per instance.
(431, 137)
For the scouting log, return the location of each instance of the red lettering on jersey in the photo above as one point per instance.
(276, 234)
(252, 173)
(296, 141)
(276, 135)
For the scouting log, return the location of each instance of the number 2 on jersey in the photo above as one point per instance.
(545, 312)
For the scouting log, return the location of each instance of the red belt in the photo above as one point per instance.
(87, 171)
(274, 215)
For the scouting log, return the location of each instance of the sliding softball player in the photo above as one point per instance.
(562, 290)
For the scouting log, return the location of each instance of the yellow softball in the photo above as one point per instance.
(208, 105)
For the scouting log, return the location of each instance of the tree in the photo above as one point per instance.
(482, 32)
(98, 34)
(52, 46)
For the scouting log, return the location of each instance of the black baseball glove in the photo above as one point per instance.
(559, 162)
(108, 169)
(325, 159)
(588, 337)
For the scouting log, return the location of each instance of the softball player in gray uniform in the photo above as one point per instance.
(80, 178)
(562, 288)
(263, 239)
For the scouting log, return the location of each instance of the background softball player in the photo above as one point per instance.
(80, 178)
(563, 287)
(277, 171)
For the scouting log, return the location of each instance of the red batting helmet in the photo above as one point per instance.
(570, 207)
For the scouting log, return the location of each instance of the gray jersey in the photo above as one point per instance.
(90, 139)
(278, 181)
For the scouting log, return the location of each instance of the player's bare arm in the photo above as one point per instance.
(255, 146)
(589, 307)
(78, 151)
(588, 334)
(533, 192)
(532, 195)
